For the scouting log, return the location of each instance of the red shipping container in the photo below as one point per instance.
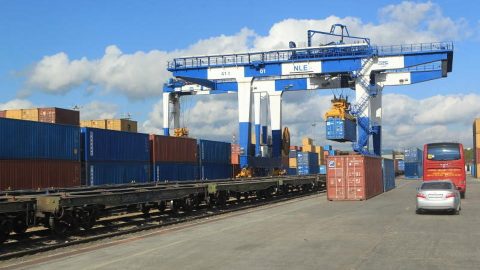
(477, 155)
(35, 174)
(2, 114)
(173, 149)
(59, 116)
(353, 177)
(235, 159)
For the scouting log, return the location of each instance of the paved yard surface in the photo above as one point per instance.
(381, 233)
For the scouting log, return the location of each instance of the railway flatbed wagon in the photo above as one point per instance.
(16, 215)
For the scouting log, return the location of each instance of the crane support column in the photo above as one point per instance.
(276, 122)
(175, 99)
(376, 119)
(244, 118)
(263, 119)
(256, 100)
(166, 114)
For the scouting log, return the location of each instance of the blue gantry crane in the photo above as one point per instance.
(260, 78)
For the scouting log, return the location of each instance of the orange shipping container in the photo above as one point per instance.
(353, 177)
(2, 114)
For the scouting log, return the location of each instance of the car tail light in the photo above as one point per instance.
(421, 195)
(450, 195)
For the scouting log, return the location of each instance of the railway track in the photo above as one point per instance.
(42, 240)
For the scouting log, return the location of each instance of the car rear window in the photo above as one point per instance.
(436, 185)
(444, 151)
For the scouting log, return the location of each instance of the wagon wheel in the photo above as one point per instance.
(20, 225)
(238, 196)
(161, 206)
(59, 227)
(145, 209)
(188, 204)
(4, 230)
(89, 219)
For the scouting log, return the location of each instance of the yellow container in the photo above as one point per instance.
(307, 141)
(122, 125)
(94, 123)
(13, 114)
(318, 149)
(321, 158)
(308, 148)
(30, 114)
(477, 141)
(292, 162)
(476, 126)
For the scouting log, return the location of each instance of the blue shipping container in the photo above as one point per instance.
(401, 165)
(292, 154)
(22, 139)
(341, 130)
(322, 169)
(210, 171)
(214, 152)
(165, 171)
(113, 173)
(413, 170)
(111, 145)
(413, 155)
(327, 147)
(307, 163)
(388, 169)
(292, 171)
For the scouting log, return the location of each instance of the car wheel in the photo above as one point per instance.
(462, 195)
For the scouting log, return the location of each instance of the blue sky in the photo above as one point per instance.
(32, 30)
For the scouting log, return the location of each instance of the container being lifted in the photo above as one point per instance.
(340, 125)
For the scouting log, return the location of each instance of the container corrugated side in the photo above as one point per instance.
(173, 149)
(353, 177)
(2, 114)
(413, 170)
(111, 173)
(34, 140)
(341, 129)
(214, 152)
(167, 171)
(59, 116)
(388, 167)
(322, 169)
(36, 174)
(111, 145)
(292, 171)
(413, 155)
(210, 171)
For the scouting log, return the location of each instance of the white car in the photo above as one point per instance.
(438, 195)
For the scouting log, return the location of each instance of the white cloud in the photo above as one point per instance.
(140, 75)
(98, 110)
(16, 104)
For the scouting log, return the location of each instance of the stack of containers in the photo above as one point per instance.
(388, 169)
(173, 158)
(292, 161)
(400, 169)
(47, 115)
(476, 148)
(111, 124)
(235, 159)
(322, 168)
(307, 163)
(114, 157)
(214, 161)
(37, 155)
(307, 145)
(413, 163)
(353, 177)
